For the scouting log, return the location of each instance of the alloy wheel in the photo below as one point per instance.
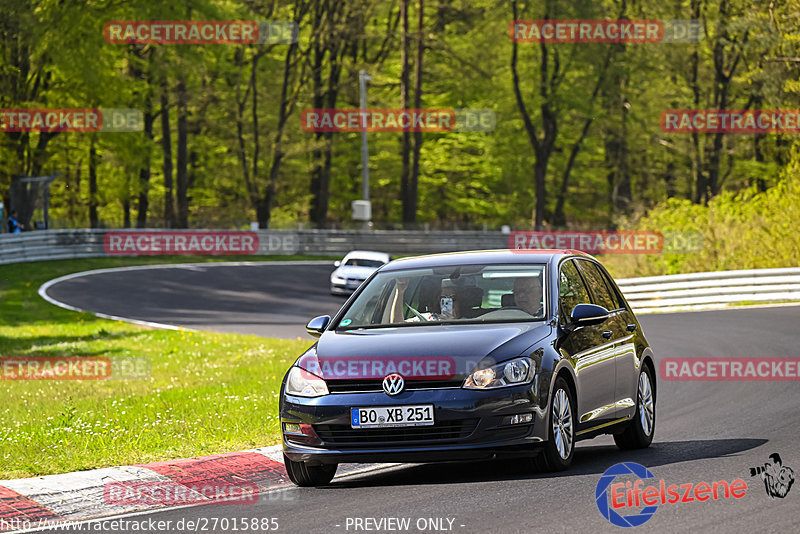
(562, 423)
(646, 407)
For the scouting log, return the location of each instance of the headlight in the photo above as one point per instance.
(512, 373)
(336, 279)
(305, 384)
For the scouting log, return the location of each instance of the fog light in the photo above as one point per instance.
(301, 433)
(291, 428)
(520, 418)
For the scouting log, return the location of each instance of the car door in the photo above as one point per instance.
(614, 330)
(592, 357)
(627, 359)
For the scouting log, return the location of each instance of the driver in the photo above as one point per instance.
(442, 303)
(528, 295)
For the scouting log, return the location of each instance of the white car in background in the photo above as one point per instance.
(354, 268)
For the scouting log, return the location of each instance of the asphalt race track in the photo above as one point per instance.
(705, 431)
(271, 299)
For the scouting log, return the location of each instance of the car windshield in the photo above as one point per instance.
(453, 294)
(361, 262)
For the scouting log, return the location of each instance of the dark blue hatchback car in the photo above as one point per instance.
(471, 355)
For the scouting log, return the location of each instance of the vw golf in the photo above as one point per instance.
(467, 356)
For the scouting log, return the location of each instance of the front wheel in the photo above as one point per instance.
(305, 475)
(559, 449)
(639, 433)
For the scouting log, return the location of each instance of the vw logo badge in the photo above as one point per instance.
(393, 384)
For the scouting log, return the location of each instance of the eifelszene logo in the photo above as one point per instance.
(778, 478)
(601, 495)
(632, 495)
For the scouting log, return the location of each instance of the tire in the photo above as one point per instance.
(639, 433)
(305, 475)
(559, 450)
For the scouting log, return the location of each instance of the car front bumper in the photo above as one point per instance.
(469, 425)
(342, 289)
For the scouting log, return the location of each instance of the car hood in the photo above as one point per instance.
(459, 348)
(355, 272)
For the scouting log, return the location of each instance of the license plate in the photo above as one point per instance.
(391, 416)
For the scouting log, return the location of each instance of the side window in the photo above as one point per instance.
(613, 290)
(571, 290)
(597, 285)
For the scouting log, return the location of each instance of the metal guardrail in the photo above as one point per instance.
(87, 243)
(710, 290)
(650, 294)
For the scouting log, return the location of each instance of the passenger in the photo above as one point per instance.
(528, 295)
(436, 303)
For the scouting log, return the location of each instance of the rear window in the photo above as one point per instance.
(361, 262)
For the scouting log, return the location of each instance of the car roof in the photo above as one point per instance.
(487, 257)
(367, 255)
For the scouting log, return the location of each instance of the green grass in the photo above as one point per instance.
(207, 393)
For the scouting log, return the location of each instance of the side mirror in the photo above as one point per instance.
(317, 325)
(337, 263)
(588, 315)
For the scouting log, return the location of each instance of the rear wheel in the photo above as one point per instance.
(639, 433)
(559, 449)
(306, 475)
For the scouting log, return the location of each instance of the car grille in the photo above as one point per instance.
(365, 386)
(442, 432)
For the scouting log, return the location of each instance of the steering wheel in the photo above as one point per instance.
(417, 314)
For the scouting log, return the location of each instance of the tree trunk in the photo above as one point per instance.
(413, 183)
(317, 102)
(264, 208)
(181, 173)
(166, 147)
(144, 172)
(335, 45)
(559, 218)
(126, 208)
(93, 220)
(405, 150)
(40, 155)
(254, 113)
(542, 147)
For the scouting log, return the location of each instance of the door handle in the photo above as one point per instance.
(607, 334)
(631, 327)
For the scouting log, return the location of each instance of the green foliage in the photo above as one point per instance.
(743, 230)
(53, 54)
